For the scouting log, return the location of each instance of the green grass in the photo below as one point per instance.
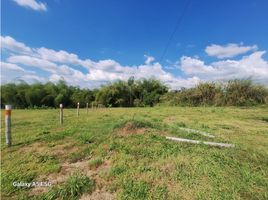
(138, 166)
(265, 119)
(72, 189)
(95, 163)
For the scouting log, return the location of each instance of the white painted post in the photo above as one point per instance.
(78, 109)
(8, 124)
(87, 108)
(61, 114)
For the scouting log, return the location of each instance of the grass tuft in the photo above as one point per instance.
(136, 123)
(265, 119)
(72, 189)
(181, 124)
(95, 163)
(135, 190)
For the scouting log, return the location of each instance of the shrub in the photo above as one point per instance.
(233, 93)
(244, 93)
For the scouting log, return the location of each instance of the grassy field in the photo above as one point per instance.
(122, 153)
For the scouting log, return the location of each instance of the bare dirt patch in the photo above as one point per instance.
(33, 148)
(60, 150)
(68, 169)
(98, 195)
(179, 191)
(130, 129)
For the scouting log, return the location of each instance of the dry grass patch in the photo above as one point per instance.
(131, 129)
(169, 120)
(60, 150)
(69, 169)
(98, 195)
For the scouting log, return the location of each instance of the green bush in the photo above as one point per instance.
(233, 93)
(244, 93)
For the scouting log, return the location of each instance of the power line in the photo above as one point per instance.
(175, 29)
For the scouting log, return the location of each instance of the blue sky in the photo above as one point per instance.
(91, 42)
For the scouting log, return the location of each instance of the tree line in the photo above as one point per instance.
(146, 92)
(133, 93)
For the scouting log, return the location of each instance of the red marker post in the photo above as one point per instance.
(8, 124)
(61, 114)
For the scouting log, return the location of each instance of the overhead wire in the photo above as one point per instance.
(180, 18)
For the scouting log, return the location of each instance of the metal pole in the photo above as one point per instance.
(8, 124)
(61, 114)
(87, 108)
(77, 109)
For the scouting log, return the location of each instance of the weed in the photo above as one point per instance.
(76, 156)
(45, 158)
(135, 123)
(180, 124)
(204, 126)
(95, 163)
(16, 176)
(116, 170)
(225, 126)
(160, 192)
(135, 190)
(265, 119)
(72, 189)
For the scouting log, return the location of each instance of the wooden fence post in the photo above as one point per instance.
(61, 114)
(78, 109)
(8, 124)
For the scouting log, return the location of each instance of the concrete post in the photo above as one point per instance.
(61, 114)
(8, 124)
(78, 109)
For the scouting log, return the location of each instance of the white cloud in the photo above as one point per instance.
(58, 56)
(34, 62)
(194, 66)
(43, 65)
(62, 64)
(11, 44)
(9, 66)
(32, 78)
(33, 4)
(149, 59)
(14, 72)
(252, 66)
(229, 50)
(101, 72)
